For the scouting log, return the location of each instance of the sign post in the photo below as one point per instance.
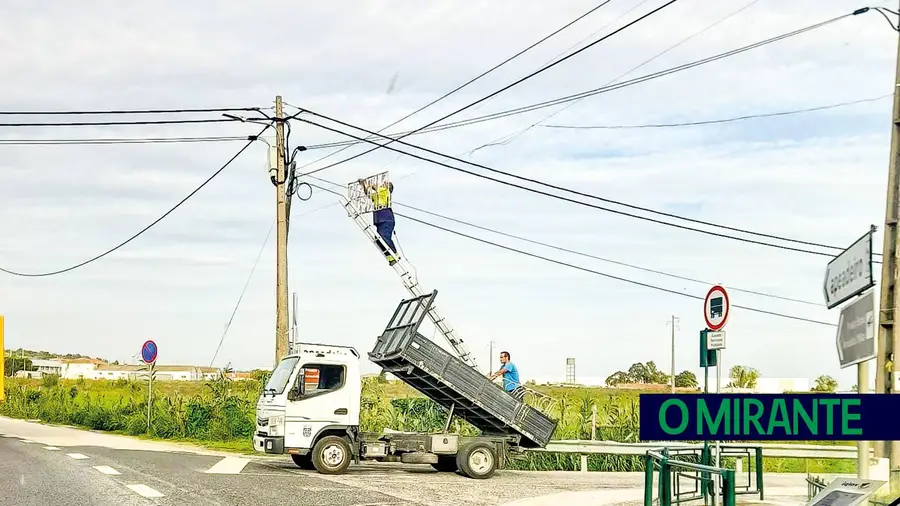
(850, 275)
(2, 364)
(149, 353)
(716, 307)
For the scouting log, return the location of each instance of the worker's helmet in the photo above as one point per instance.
(390, 186)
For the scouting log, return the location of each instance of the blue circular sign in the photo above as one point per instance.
(149, 352)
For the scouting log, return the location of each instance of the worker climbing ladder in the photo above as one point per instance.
(359, 205)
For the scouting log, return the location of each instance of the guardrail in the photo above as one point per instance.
(585, 448)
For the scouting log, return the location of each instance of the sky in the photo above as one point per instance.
(818, 176)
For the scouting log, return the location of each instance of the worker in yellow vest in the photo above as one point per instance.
(383, 217)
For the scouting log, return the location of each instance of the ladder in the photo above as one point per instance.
(405, 270)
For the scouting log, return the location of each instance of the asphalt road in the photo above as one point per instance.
(47, 466)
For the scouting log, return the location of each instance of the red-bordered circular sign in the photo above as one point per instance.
(716, 308)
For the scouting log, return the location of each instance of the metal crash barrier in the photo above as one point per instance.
(692, 464)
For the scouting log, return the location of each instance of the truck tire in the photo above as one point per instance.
(446, 465)
(331, 455)
(477, 461)
(303, 462)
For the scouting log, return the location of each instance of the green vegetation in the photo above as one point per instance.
(220, 414)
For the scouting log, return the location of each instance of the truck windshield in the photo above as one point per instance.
(281, 375)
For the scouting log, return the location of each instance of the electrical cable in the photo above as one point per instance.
(505, 88)
(118, 140)
(506, 140)
(148, 227)
(115, 123)
(600, 90)
(592, 271)
(470, 81)
(723, 120)
(575, 252)
(126, 111)
(610, 276)
(243, 291)
(560, 197)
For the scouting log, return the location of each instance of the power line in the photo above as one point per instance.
(602, 89)
(574, 252)
(125, 111)
(470, 81)
(243, 291)
(560, 197)
(610, 276)
(120, 140)
(148, 227)
(724, 120)
(505, 88)
(592, 271)
(114, 123)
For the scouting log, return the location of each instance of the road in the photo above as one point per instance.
(49, 465)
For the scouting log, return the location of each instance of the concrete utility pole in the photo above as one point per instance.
(281, 276)
(888, 338)
(672, 322)
(2, 363)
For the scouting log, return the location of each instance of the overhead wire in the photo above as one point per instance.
(91, 141)
(583, 194)
(515, 135)
(148, 227)
(470, 81)
(579, 253)
(721, 120)
(505, 88)
(119, 123)
(592, 271)
(100, 112)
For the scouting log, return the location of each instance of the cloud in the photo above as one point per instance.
(819, 176)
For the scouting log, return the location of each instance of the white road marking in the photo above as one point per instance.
(145, 491)
(229, 465)
(52, 448)
(77, 456)
(106, 470)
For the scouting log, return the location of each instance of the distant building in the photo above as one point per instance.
(47, 366)
(781, 385)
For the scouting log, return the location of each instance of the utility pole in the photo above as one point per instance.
(2, 364)
(491, 357)
(672, 322)
(888, 339)
(281, 276)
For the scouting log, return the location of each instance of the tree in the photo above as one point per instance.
(825, 383)
(13, 365)
(617, 378)
(743, 377)
(637, 373)
(686, 379)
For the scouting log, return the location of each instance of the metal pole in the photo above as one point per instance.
(672, 379)
(718, 391)
(862, 447)
(149, 394)
(2, 364)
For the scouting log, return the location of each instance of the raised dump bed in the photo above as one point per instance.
(448, 381)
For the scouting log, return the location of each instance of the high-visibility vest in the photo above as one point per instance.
(381, 197)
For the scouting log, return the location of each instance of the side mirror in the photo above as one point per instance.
(299, 387)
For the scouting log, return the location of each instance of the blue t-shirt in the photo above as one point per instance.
(510, 377)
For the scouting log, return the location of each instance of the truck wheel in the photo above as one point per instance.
(331, 455)
(477, 461)
(303, 461)
(446, 465)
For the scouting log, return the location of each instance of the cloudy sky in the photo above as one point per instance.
(818, 176)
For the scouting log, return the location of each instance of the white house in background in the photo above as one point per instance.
(47, 366)
(781, 385)
(163, 372)
(75, 368)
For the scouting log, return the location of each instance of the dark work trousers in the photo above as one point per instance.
(386, 231)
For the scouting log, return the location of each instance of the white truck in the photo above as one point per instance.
(310, 406)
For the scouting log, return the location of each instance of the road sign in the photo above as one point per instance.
(856, 331)
(846, 492)
(849, 273)
(715, 340)
(716, 308)
(149, 351)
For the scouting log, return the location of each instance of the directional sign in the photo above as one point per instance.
(149, 351)
(715, 340)
(849, 273)
(856, 331)
(716, 308)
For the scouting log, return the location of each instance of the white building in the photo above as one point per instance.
(47, 366)
(781, 385)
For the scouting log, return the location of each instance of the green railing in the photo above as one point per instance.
(693, 464)
(814, 485)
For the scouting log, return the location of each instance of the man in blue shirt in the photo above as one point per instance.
(510, 374)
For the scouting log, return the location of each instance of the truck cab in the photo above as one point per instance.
(312, 397)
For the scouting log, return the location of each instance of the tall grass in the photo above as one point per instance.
(222, 413)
